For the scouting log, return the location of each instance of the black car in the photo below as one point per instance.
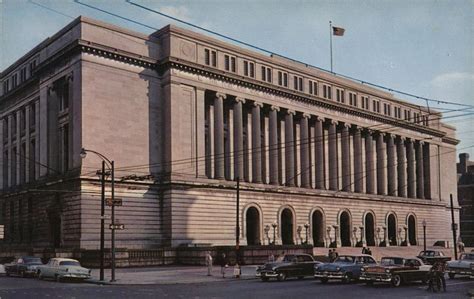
(432, 256)
(288, 265)
(24, 266)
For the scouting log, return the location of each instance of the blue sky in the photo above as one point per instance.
(424, 47)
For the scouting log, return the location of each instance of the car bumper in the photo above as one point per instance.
(460, 271)
(329, 275)
(266, 274)
(376, 278)
(76, 276)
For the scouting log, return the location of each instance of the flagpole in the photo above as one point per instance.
(330, 41)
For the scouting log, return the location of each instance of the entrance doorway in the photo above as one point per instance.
(286, 227)
(369, 226)
(392, 230)
(252, 226)
(345, 227)
(318, 229)
(412, 230)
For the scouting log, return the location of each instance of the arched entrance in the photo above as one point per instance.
(252, 224)
(369, 226)
(392, 230)
(318, 229)
(412, 230)
(286, 227)
(345, 227)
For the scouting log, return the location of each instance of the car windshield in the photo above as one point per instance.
(467, 257)
(34, 261)
(391, 261)
(344, 259)
(69, 263)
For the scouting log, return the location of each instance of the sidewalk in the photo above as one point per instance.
(170, 275)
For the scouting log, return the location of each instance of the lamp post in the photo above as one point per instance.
(110, 165)
(274, 225)
(424, 234)
(306, 226)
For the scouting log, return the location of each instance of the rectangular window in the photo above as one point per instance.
(407, 115)
(266, 74)
(14, 81)
(32, 66)
(207, 56)
(32, 115)
(249, 69)
(327, 92)
(285, 79)
(300, 82)
(23, 74)
(269, 75)
(376, 106)
(282, 79)
(365, 102)
(252, 69)
(340, 96)
(5, 86)
(214, 58)
(353, 99)
(313, 87)
(295, 83)
(232, 64)
(22, 120)
(227, 62)
(246, 68)
(63, 94)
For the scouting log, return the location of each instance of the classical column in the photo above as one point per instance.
(219, 136)
(273, 143)
(256, 144)
(380, 144)
(332, 137)
(238, 139)
(369, 163)
(358, 167)
(289, 149)
(304, 146)
(53, 130)
(411, 180)
(420, 185)
(427, 170)
(391, 167)
(401, 167)
(346, 158)
(319, 148)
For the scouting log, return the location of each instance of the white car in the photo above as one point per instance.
(2, 270)
(463, 266)
(62, 268)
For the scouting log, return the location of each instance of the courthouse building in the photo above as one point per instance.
(183, 116)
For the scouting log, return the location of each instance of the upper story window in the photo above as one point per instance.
(32, 115)
(23, 74)
(353, 99)
(397, 112)
(340, 95)
(282, 79)
(416, 117)
(376, 106)
(210, 57)
(298, 83)
(387, 109)
(266, 74)
(425, 120)
(6, 86)
(13, 124)
(14, 80)
(63, 96)
(407, 115)
(249, 69)
(32, 66)
(229, 63)
(313, 87)
(365, 102)
(327, 92)
(22, 120)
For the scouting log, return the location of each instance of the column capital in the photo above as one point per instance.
(391, 136)
(257, 104)
(319, 118)
(346, 125)
(274, 108)
(421, 142)
(379, 133)
(222, 96)
(333, 122)
(410, 140)
(240, 100)
(289, 111)
(402, 139)
(306, 115)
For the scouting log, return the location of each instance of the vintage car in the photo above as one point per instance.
(62, 268)
(396, 270)
(288, 265)
(345, 268)
(432, 256)
(24, 266)
(463, 266)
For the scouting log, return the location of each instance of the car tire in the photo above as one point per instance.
(281, 276)
(324, 280)
(347, 278)
(451, 275)
(265, 279)
(396, 280)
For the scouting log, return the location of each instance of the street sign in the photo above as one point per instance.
(115, 202)
(117, 226)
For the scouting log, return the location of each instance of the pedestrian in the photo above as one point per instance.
(437, 272)
(364, 250)
(336, 255)
(271, 258)
(369, 252)
(223, 264)
(209, 263)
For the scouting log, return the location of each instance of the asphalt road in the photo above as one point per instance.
(308, 288)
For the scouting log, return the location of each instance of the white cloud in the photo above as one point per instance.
(448, 79)
(454, 87)
(180, 12)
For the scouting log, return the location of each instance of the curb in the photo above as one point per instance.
(119, 283)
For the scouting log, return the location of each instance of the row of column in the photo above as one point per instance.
(310, 152)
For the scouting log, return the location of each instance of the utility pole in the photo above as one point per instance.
(102, 220)
(454, 228)
(237, 226)
(113, 222)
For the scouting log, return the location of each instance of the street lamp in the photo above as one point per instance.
(274, 225)
(110, 166)
(306, 226)
(424, 234)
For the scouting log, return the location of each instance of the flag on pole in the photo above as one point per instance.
(338, 31)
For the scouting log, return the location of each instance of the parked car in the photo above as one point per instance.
(288, 265)
(61, 268)
(396, 270)
(463, 266)
(24, 266)
(345, 268)
(432, 256)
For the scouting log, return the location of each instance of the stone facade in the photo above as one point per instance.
(320, 159)
(465, 169)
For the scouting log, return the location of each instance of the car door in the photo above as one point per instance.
(411, 272)
(17, 266)
(306, 267)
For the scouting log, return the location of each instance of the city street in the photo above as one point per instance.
(30, 288)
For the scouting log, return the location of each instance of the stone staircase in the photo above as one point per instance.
(379, 252)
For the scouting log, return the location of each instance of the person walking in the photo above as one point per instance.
(437, 272)
(223, 264)
(368, 251)
(364, 250)
(209, 263)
